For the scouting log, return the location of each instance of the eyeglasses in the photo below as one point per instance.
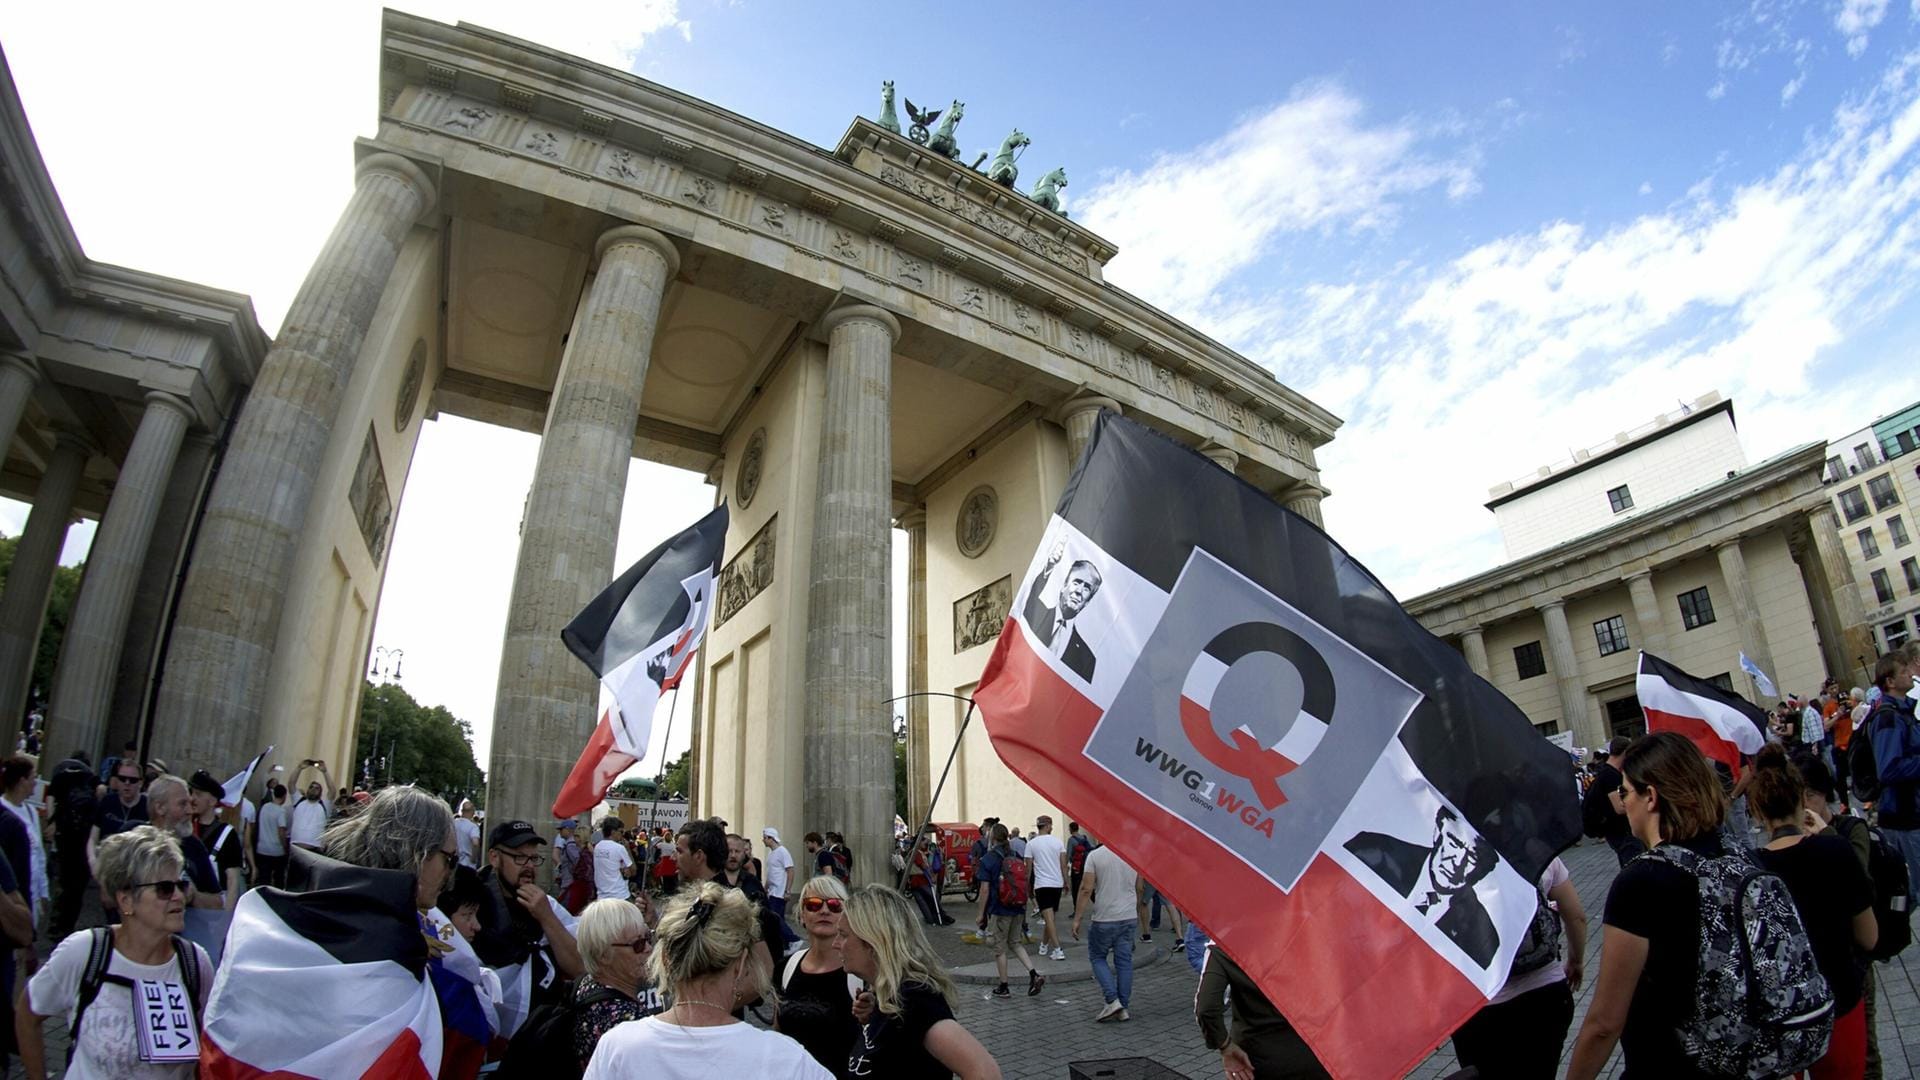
(452, 857)
(165, 889)
(126, 779)
(639, 945)
(815, 903)
(524, 860)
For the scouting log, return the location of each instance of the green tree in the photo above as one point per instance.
(404, 742)
(679, 776)
(66, 585)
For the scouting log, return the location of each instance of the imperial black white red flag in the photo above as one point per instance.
(235, 789)
(638, 636)
(1246, 715)
(1721, 723)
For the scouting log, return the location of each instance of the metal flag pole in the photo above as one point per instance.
(914, 837)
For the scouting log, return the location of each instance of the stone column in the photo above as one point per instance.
(545, 709)
(695, 772)
(23, 606)
(90, 654)
(1746, 614)
(1077, 415)
(849, 770)
(1647, 613)
(1225, 457)
(1579, 716)
(919, 769)
(18, 377)
(1474, 644)
(228, 619)
(1845, 590)
(1305, 501)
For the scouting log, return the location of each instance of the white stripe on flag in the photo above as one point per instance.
(1728, 722)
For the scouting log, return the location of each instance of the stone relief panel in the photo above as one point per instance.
(846, 246)
(1005, 228)
(410, 381)
(701, 192)
(979, 616)
(623, 166)
(746, 576)
(367, 495)
(909, 269)
(467, 119)
(747, 483)
(542, 142)
(977, 522)
(773, 217)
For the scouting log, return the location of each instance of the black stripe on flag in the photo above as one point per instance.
(358, 915)
(1680, 680)
(646, 603)
(1148, 502)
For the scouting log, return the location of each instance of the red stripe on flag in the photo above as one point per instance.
(599, 766)
(400, 1061)
(1698, 732)
(1365, 991)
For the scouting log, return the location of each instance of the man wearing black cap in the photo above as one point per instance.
(221, 839)
(520, 923)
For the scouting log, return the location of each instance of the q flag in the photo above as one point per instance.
(637, 637)
(1722, 724)
(1245, 714)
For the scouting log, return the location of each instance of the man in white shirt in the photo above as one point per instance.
(1110, 893)
(310, 814)
(270, 853)
(612, 866)
(466, 835)
(1047, 863)
(781, 881)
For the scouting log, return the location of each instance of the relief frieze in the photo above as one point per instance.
(746, 577)
(979, 616)
(1001, 226)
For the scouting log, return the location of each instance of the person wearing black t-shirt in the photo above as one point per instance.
(1601, 813)
(1649, 956)
(907, 1027)
(1833, 893)
(816, 993)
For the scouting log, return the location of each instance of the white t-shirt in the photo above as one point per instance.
(779, 865)
(1114, 887)
(466, 837)
(1556, 873)
(662, 1050)
(36, 885)
(309, 820)
(609, 858)
(273, 818)
(1046, 851)
(107, 1036)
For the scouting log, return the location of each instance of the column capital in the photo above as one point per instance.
(915, 518)
(395, 165)
(1224, 456)
(1474, 631)
(1644, 573)
(717, 471)
(860, 313)
(1083, 403)
(1551, 603)
(638, 234)
(175, 402)
(65, 438)
(22, 363)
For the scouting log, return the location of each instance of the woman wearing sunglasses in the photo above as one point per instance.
(615, 946)
(816, 992)
(907, 1024)
(140, 870)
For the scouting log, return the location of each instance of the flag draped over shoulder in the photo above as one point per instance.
(1722, 724)
(637, 637)
(328, 983)
(1245, 714)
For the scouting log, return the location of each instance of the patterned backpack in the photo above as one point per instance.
(1541, 946)
(1763, 1008)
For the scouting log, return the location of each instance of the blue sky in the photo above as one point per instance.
(1484, 234)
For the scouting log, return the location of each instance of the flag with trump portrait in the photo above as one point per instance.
(1246, 715)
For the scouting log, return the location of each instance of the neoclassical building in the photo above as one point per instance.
(1664, 538)
(1873, 476)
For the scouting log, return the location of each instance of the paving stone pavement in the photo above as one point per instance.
(1040, 1037)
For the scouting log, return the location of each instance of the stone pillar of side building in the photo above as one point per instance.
(1646, 613)
(919, 754)
(18, 377)
(225, 628)
(1305, 501)
(1745, 612)
(695, 773)
(1837, 569)
(1473, 644)
(83, 683)
(849, 730)
(545, 709)
(1586, 727)
(23, 604)
(1077, 414)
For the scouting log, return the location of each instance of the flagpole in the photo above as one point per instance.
(914, 838)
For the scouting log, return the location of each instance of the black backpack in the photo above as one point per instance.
(100, 954)
(1541, 945)
(1892, 906)
(543, 1046)
(1864, 771)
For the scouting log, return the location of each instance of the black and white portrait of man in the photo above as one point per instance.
(1439, 879)
(1054, 626)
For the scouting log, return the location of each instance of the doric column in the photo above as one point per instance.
(544, 711)
(1566, 676)
(695, 772)
(1845, 590)
(23, 606)
(1746, 614)
(221, 648)
(1304, 500)
(1077, 415)
(849, 772)
(919, 771)
(1224, 456)
(1646, 612)
(1474, 644)
(90, 653)
(18, 377)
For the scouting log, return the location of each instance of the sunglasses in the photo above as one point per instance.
(165, 889)
(639, 945)
(127, 779)
(815, 903)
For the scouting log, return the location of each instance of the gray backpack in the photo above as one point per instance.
(1762, 1007)
(1541, 945)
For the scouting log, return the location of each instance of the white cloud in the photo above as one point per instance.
(1646, 187)
(1855, 18)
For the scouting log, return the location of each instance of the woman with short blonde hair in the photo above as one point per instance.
(816, 992)
(615, 947)
(906, 1015)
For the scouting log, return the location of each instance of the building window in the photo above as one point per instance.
(1869, 547)
(1620, 499)
(1864, 455)
(1611, 635)
(1898, 530)
(1853, 505)
(1911, 568)
(1895, 632)
(1724, 681)
(1625, 718)
(1551, 727)
(1881, 488)
(1529, 660)
(1905, 441)
(1696, 608)
(1836, 470)
(1882, 586)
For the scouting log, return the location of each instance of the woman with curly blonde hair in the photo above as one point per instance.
(906, 1013)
